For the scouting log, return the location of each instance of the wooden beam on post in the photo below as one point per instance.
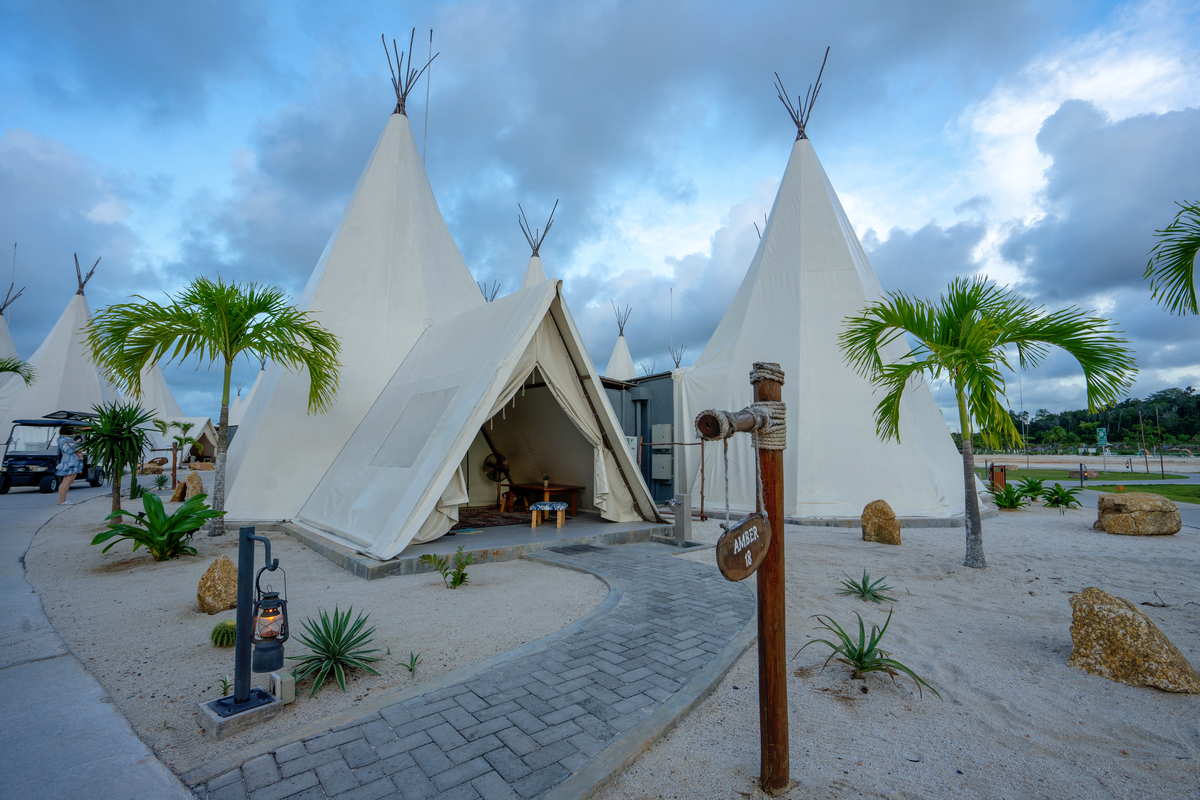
(772, 616)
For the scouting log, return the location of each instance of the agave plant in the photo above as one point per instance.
(1009, 499)
(864, 655)
(866, 589)
(1062, 498)
(336, 645)
(164, 536)
(1032, 488)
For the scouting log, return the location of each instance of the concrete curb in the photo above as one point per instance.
(612, 760)
(366, 709)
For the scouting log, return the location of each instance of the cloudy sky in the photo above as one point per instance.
(1040, 143)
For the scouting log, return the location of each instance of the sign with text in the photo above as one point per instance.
(742, 548)
(1101, 436)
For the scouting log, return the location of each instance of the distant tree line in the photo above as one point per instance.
(1170, 417)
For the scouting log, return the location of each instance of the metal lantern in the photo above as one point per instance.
(270, 629)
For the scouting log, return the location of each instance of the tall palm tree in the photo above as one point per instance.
(966, 337)
(20, 368)
(1172, 267)
(217, 322)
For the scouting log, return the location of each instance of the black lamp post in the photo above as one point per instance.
(261, 625)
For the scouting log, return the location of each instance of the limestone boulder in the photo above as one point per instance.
(151, 469)
(203, 466)
(1138, 514)
(1114, 639)
(217, 591)
(879, 523)
(180, 491)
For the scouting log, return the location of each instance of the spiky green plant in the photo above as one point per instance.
(866, 589)
(1009, 499)
(411, 665)
(226, 684)
(164, 536)
(864, 655)
(224, 633)
(217, 323)
(1062, 498)
(160, 482)
(337, 645)
(968, 337)
(1033, 488)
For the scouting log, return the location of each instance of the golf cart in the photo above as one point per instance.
(31, 455)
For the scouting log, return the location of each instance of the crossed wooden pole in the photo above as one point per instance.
(767, 379)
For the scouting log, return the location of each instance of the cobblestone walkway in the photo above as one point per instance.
(523, 726)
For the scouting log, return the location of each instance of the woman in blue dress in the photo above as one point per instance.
(69, 462)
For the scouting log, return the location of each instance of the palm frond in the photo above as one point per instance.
(20, 368)
(1172, 267)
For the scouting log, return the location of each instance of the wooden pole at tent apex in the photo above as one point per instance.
(775, 760)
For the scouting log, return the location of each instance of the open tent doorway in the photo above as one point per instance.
(537, 439)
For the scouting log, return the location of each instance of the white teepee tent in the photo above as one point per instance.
(67, 380)
(534, 274)
(809, 273)
(8, 348)
(156, 396)
(620, 363)
(390, 270)
(237, 409)
(400, 477)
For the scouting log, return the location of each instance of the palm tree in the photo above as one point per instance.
(965, 337)
(18, 367)
(1172, 267)
(116, 439)
(217, 322)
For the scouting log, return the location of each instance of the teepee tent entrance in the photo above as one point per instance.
(809, 273)
(400, 478)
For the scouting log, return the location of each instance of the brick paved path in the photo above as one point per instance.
(523, 726)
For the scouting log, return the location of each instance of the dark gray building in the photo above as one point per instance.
(646, 409)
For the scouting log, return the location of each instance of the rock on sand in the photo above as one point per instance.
(218, 586)
(879, 523)
(1114, 639)
(1138, 514)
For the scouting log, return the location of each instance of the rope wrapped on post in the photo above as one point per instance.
(766, 419)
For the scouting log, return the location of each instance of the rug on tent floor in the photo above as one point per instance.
(489, 517)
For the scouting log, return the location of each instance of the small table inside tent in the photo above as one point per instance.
(533, 489)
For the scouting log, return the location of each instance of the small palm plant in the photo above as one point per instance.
(1009, 499)
(1033, 488)
(116, 440)
(1062, 498)
(866, 589)
(164, 536)
(20, 368)
(336, 645)
(864, 655)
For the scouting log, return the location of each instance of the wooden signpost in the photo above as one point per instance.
(752, 538)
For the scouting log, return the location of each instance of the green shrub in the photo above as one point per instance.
(164, 536)
(864, 655)
(224, 633)
(336, 645)
(866, 589)
(1062, 498)
(1033, 488)
(411, 665)
(1009, 498)
(160, 482)
(454, 576)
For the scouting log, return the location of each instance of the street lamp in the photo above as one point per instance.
(270, 626)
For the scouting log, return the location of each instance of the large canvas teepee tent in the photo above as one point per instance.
(620, 363)
(390, 270)
(8, 348)
(237, 410)
(67, 380)
(518, 367)
(809, 273)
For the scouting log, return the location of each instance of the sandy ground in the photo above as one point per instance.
(136, 626)
(1015, 721)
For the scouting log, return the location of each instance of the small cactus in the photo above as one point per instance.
(224, 633)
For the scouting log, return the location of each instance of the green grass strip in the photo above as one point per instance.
(1179, 493)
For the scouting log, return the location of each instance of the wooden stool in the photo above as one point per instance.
(543, 508)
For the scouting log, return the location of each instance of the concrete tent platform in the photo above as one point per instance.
(501, 543)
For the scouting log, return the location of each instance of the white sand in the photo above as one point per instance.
(1015, 720)
(136, 626)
